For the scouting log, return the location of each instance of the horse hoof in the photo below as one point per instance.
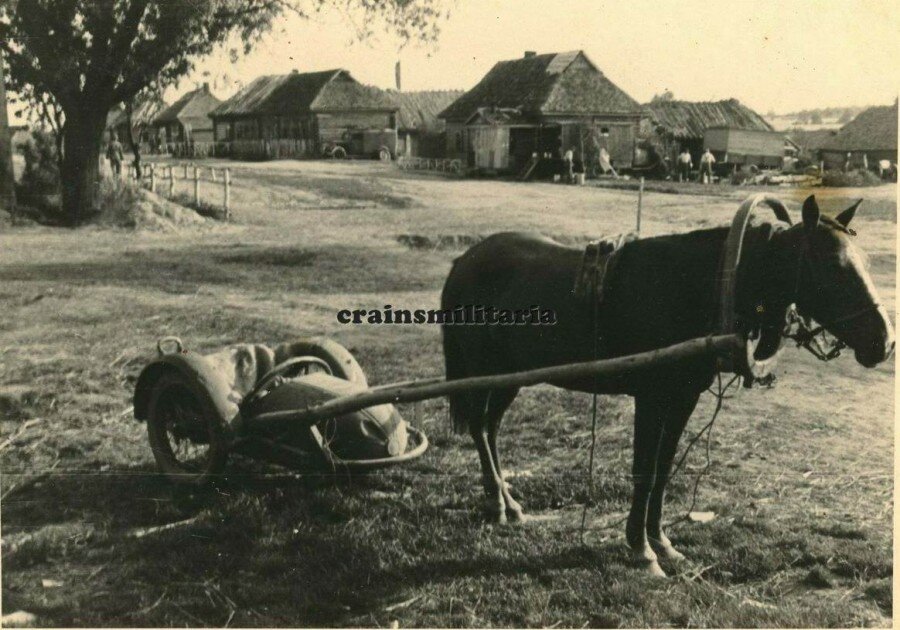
(515, 516)
(665, 550)
(649, 567)
(653, 568)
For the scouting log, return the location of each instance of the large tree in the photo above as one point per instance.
(90, 55)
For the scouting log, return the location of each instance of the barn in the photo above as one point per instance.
(419, 130)
(187, 119)
(867, 139)
(735, 133)
(541, 104)
(304, 114)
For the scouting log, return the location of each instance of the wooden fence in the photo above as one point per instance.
(243, 149)
(161, 178)
(442, 165)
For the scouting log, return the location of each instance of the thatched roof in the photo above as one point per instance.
(810, 141)
(419, 110)
(195, 104)
(554, 83)
(874, 129)
(685, 119)
(143, 114)
(299, 93)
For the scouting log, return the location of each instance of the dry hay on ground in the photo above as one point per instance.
(142, 210)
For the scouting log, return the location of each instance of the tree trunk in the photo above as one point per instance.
(7, 179)
(135, 144)
(81, 163)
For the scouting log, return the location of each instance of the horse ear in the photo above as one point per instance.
(811, 212)
(847, 215)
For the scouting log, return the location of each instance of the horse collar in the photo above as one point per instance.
(742, 361)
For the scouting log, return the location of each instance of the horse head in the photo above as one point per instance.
(823, 273)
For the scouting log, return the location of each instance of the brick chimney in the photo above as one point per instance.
(530, 53)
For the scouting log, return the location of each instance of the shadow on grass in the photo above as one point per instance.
(307, 550)
(311, 270)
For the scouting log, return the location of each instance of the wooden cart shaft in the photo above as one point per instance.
(413, 391)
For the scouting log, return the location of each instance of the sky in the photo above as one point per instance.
(777, 56)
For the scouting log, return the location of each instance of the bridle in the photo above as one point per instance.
(797, 328)
(816, 339)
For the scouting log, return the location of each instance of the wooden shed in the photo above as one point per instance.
(745, 146)
(419, 130)
(306, 114)
(867, 139)
(187, 119)
(542, 104)
(677, 125)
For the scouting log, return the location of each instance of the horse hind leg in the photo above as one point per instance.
(494, 501)
(498, 402)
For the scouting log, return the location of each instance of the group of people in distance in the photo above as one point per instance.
(686, 165)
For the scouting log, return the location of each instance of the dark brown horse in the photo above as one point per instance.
(662, 291)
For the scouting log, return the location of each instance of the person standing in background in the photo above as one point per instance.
(685, 164)
(114, 154)
(706, 164)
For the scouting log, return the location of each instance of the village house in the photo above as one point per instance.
(541, 104)
(867, 139)
(735, 133)
(308, 114)
(142, 129)
(419, 130)
(187, 119)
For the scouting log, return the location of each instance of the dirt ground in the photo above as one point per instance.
(800, 485)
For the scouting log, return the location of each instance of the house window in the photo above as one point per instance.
(604, 131)
(459, 141)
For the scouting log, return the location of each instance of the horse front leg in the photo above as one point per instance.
(679, 412)
(648, 424)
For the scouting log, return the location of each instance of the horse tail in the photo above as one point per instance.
(455, 364)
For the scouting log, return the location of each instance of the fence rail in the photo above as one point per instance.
(159, 177)
(442, 165)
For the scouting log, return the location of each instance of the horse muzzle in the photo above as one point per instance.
(880, 349)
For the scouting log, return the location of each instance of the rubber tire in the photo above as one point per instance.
(384, 154)
(159, 443)
(339, 153)
(342, 363)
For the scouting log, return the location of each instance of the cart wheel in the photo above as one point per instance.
(339, 153)
(384, 154)
(337, 357)
(188, 443)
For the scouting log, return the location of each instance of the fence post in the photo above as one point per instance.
(197, 185)
(153, 178)
(171, 181)
(227, 180)
(212, 173)
(640, 203)
(185, 170)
